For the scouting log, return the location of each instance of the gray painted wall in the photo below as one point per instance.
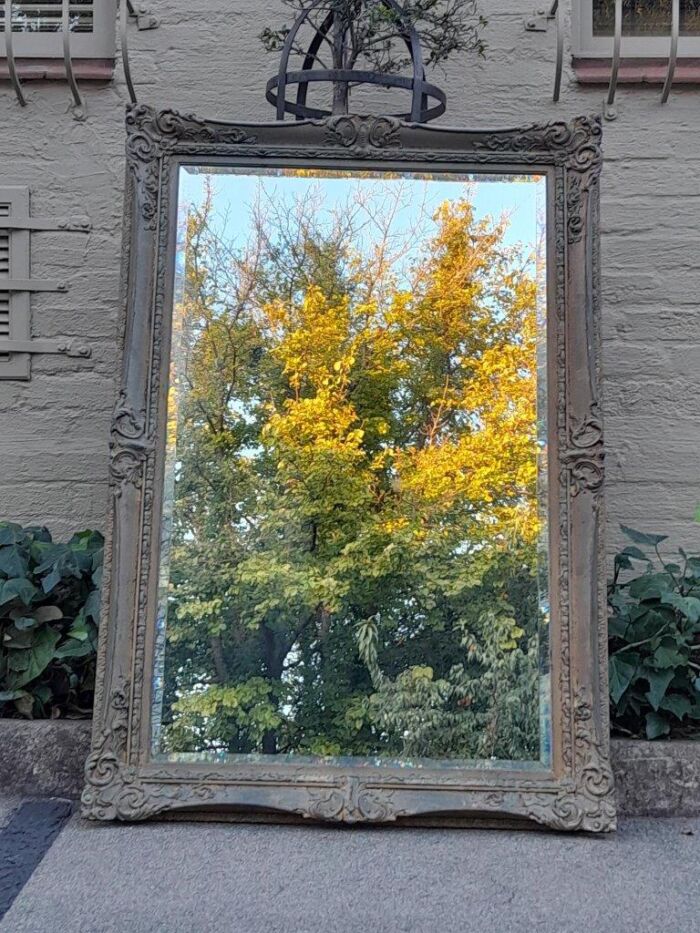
(54, 429)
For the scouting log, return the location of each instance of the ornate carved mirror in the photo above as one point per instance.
(357, 470)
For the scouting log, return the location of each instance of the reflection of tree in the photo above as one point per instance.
(353, 564)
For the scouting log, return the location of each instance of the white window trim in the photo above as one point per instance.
(100, 43)
(586, 45)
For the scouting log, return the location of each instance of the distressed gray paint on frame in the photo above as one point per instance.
(122, 783)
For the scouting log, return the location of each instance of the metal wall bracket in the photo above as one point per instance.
(142, 15)
(609, 108)
(144, 20)
(10, 56)
(31, 285)
(37, 345)
(68, 225)
(540, 20)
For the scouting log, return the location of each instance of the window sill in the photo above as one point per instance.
(52, 69)
(636, 71)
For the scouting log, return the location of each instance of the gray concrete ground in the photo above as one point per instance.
(224, 878)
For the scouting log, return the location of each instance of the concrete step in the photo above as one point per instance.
(225, 878)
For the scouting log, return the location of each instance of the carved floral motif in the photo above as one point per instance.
(351, 802)
(589, 806)
(129, 445)
(363, 133)
(151, 134)
(585, 456)
(113, 791)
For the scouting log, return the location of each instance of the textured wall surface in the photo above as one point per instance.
(54, 429)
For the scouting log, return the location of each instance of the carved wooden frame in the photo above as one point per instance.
(123, 782)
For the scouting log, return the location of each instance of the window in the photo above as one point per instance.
(37, 28)
(646, 28)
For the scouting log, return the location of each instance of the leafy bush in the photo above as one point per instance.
(49, 613)
(654, 641)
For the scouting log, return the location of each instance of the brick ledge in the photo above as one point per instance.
(52, 69)
(636, 71)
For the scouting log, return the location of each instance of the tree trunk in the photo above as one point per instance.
(217, 651)
(274, 662)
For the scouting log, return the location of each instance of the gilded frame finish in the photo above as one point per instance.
(576, 793)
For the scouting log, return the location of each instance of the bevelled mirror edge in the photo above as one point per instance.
(121, 781)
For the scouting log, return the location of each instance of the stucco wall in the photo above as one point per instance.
(54, 429)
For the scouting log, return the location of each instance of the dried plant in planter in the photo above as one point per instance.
(374, 35)
(49, 613)
(654, 633)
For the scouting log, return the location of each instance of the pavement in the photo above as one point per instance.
(228, 878)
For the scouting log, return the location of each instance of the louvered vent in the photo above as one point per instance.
(14, 264)
(4, 270)
(47, 16)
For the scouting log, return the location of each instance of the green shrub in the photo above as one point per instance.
(49, 613)
(50, 604)
(654, 641)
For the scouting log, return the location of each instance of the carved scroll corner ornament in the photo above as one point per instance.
(586, 144)
(584, 457)
(350, 801)
(576, 145)
(151, 134)
(588, 803)
(113, 790)
(129, 445)
(362, 134)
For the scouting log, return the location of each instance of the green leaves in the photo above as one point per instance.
(640, 538)
(656, 726)
(658, 685)
(14, 561)
(49, 611)
(688, 606)
(621, 674)
(28, 663)
(19, 589)
(654, 634)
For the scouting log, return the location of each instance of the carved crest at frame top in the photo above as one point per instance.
(152, 134)
(122, 782)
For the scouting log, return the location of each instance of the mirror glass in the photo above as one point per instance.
(354, 553)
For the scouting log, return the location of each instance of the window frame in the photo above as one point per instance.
(98, 44)
(586, 45)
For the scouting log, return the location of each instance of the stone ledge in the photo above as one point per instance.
(657, 778)
(43, 758)
(46, 758)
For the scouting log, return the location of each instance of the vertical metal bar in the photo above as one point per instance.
(616, 54)
(559, 22)
(673, 54)
(125, 10)
(10, 55)
(79, 103)
(284, 58)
